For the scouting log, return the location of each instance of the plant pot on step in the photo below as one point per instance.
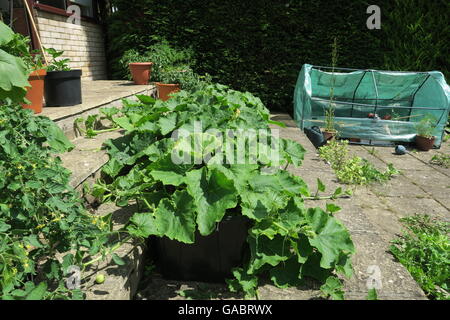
(35, 93)
(210, 258)
(424, 143)
(329, 134)
(141, 72)
(63, 88)
(164, 90)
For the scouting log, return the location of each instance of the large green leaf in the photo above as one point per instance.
(333, 288)
(259, 205)
(331, 237)
(281, 181)
(167, 172)
(243, 282)
(168, 123)
(13, 77)
(213, 193)
(286, 274)
(293, 152)
(240, 174)
(56, 138)
(6, 34)
(142, 225)
(38, 292)
(175, 217)
(267, 251)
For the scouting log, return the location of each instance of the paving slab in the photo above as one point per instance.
(404, 207)
(372, 261)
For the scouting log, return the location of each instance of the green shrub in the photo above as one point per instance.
(424, 249)
(416, 35)
(161, 54)
(185, 77)
(256, 47)
(260, 46)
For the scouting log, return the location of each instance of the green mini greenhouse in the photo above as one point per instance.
(399, 99)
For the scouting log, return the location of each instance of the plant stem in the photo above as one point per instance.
(110, 251)
(106, 130)
(326, 197)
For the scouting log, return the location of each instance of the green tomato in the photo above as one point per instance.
(100, 279)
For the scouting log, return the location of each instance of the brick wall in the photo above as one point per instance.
(82, 44)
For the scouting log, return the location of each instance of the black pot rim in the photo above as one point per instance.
(64, 74)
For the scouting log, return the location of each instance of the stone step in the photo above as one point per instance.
(121, 282)
(96, 95)
(86, 160)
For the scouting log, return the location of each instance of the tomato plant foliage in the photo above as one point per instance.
(41, 216)
(287, 240)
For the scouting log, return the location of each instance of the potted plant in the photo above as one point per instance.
(176, 78)
(17, 45)
(62, 85)
(139, 66)
(424, 138)
(35, 92)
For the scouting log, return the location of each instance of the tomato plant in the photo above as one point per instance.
(41, 216)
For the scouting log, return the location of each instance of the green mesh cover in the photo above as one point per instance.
(406, 97)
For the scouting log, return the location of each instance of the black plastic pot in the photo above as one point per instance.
(63, 88)
(209, 259)
(315, 135)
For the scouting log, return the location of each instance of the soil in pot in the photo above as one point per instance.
(209, 259)
(63, 88)
(164, 90)
(141, 72)
(35, 93)
(424, 143)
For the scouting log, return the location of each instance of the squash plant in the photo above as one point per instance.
(287, 240)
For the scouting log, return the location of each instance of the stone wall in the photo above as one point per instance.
(82, 44)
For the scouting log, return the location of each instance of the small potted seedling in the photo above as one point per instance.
(424, 138)
(62, 84)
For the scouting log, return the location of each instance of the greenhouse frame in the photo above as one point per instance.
(372, 105)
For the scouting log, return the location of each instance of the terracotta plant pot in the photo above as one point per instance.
(165, 89)
(35, 93)
(329, 135)
(424, 143)
(141, 72)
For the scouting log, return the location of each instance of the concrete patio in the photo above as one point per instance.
(371, 215)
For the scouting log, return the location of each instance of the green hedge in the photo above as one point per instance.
(261, 45)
